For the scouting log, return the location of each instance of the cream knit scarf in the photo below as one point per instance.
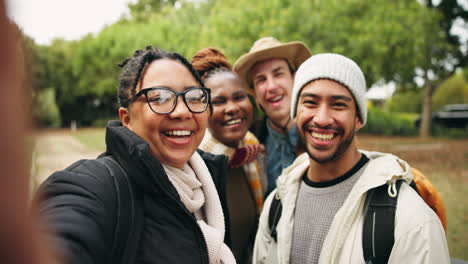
(197, 191)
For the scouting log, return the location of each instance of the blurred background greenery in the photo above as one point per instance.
(407, 43)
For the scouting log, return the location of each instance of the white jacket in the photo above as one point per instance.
(419, 235)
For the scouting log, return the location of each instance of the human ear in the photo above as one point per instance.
(124, 115)
(358, 123)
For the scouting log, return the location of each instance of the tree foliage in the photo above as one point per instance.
(453, 91)
(451, 10)
(409, 101)
(143, 10)
(392, 41)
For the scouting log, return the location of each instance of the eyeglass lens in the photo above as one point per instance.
(164, 101)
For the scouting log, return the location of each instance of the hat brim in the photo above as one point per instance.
(296, 52)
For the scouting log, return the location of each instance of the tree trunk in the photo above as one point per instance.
(425, 126)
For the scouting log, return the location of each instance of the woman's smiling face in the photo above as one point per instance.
(232, 109)
(173, 137)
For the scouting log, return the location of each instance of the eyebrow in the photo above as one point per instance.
(233, 94)
(169, 87)
(219, 97)
(334, 97)
(279, 68)
(239, 92)
(258, 74)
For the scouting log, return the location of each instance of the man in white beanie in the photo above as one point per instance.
(268, 69)
(323, 193)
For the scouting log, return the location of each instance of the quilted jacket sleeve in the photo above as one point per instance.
(78, 207)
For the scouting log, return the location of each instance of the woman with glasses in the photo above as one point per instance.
(228, 134)
(163, 116)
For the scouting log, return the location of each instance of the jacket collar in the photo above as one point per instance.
(134, 155)
(382, 168)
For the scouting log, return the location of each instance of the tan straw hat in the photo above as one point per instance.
(294, 52)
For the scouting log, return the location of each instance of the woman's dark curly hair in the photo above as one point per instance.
(209, 61)
(134, 66)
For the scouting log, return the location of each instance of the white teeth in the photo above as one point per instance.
(277, 98)
(178, 133)
(233, 122)
(322, 136)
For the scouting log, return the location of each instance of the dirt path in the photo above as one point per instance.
(56, 150)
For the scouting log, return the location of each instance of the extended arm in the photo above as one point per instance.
(78, 206)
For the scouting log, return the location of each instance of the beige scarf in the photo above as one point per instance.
(198, 193)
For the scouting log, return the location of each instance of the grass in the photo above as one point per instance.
(443, 161)
(93, 138)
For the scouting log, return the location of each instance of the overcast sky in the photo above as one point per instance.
(44, 20)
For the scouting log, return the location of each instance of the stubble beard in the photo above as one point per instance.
(342, 148)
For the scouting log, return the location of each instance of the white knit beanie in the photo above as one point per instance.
(333, 67)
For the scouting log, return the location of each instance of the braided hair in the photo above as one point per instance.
(134, 66)
(209, 61)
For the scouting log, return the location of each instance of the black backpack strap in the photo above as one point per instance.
(129, 223)
(379, 224)
(274, 216)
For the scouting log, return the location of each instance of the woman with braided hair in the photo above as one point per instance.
(177, 192)
(228, 134)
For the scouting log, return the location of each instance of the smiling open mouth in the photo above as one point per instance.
(233, 122)
(178, 133)
(321, 136)
(275, 99)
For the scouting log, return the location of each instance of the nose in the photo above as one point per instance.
(181, 109)
(322, 116)
(231, 108)
(271, 84)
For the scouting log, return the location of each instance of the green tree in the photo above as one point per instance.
(52, 70)
(392, 40)
(383, 42)
(143, 10)
(451, 12)
(442, 54)
(454, 90)
(46, 110)
(95, 59)
(409, 101)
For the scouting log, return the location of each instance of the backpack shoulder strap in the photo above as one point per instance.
(274, 216)
(129, 222)
(379, 224)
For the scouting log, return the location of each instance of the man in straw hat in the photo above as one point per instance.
(323, 193)
(268, 68)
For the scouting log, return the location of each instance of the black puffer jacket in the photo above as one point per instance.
(79, 206)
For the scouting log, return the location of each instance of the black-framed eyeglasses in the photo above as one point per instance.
(163, 100)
